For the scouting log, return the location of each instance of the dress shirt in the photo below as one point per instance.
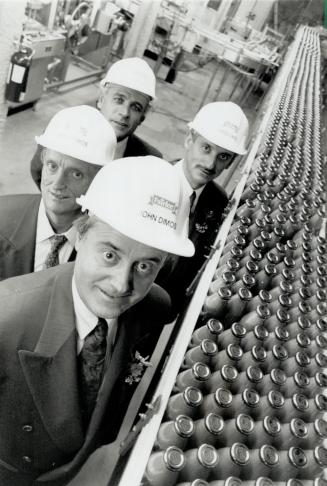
(187, 188)
(44, 232)
(120, 148)
(86, 320)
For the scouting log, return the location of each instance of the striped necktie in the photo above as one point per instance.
(91, 364)
(52, 259)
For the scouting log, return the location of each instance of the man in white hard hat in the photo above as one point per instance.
(126, 93)
(75, 339)
(36, 231)
(217, 134)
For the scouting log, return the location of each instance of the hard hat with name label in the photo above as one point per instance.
(134, 73)
(81, 132)
(224, 124)
(142, 198)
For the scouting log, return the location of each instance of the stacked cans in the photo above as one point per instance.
(248, 403)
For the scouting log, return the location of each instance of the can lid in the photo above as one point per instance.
(320, 455)
(251, 266)
(270, 270)
(263, 311)
(294, 482)
(208, 347)
(306, 268)
(248, 281)
(320, 426)
(304, 322)
(258, 243)
(299, 428)
(265, 296)
(201, 371)
(322, 324)
(305, 293)
(238, 330)
(236, 251)
(265, 235)
(304, 307)
(260, 223)
(214, 423)
(229, 373)
(199, 482)
(251, 397)
(263, 482)
(321, 402)
(272, 257)
(322, 282)
(279, 352)
(287, 274)
(228, 277)
(306, 280)
(297, 457)
(280, 247)
(245, 294)
(285, 300)
(283, 316)
(207, 455)
(301, 379)
(289, 262)
(321, 360)
(268, 455)
(224, 293)
(256, 255)
(232, 481)
(282, 333)
(279, 231)
(278, 376)
(286, 287)
(244, 423)
(192, 396)
(306, 257)
(321, 379)
(234, 351)
(233, 264)
(276, 399)
(322, 308)
(215, 326)
(184, 425)
(174, 458)
(321, 260)
(260, 332)
(303, 340)
(321, 295)
(242, 228)
(258, 352)
(254, 374)
(300, 402)
(223, 397)
(271, 425)
(239, 240)
(240, 454)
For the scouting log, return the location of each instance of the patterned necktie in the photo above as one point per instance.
(91, 363)
(191, 216)
(52, 259)
(192, 199)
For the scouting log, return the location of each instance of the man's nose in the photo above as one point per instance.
(210, 162)
(59, 179)
(122, 280)
(124, 109)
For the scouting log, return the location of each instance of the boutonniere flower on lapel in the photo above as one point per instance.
(137, 368)
(203, 227)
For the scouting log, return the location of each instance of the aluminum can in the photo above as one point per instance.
(231, 355)
(256, 317)
(219, 402)
(164, 466)
(175, 432)
(263, 462)
(274, 380)
(184, 403)
(208, 430)
(238, 429)
(255, 357)
(232, 461)
(199, 462)
(211, 330)
(266, 431)
(259, 337)
(249, 378)
(204, 353)
(196, 376)
(235, 334)
(216, 304)
(225, 377)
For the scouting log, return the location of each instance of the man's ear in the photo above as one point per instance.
(188, 140)
(99, 102)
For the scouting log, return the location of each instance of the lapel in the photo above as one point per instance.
(51, 369)
(19, 258)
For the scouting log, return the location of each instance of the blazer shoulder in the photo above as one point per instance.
(156, 306)
(138, 147)
(15, 208)
(217, 191)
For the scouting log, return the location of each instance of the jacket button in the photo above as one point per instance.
(27, 459)
(27, 428)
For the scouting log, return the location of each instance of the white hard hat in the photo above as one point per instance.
(81, 132)
(224, 124)
(134, 73)
(142, 198)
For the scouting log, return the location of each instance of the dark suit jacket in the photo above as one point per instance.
(178, 273)
(18, 220)
(135, 147)
(41, 435)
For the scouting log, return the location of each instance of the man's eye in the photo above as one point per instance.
(119, 100)
(136, 108)
(109, 256)
(206, 149)
(224, 157)
(52, 166)
(77, 174)
(144, 268)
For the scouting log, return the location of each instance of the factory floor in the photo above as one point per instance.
(164, 127)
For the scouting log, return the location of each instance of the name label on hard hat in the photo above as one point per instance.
(159, 219)
(164, 203)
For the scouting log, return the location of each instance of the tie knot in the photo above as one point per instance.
(57, 241)
(52, 259)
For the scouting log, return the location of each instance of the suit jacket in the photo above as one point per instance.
(179, 272)
(41, 435)
(135, 147)
(18, 221)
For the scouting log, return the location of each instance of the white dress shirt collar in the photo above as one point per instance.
(85, 319)
(186, 185)
(44, 229)
(120, 148)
